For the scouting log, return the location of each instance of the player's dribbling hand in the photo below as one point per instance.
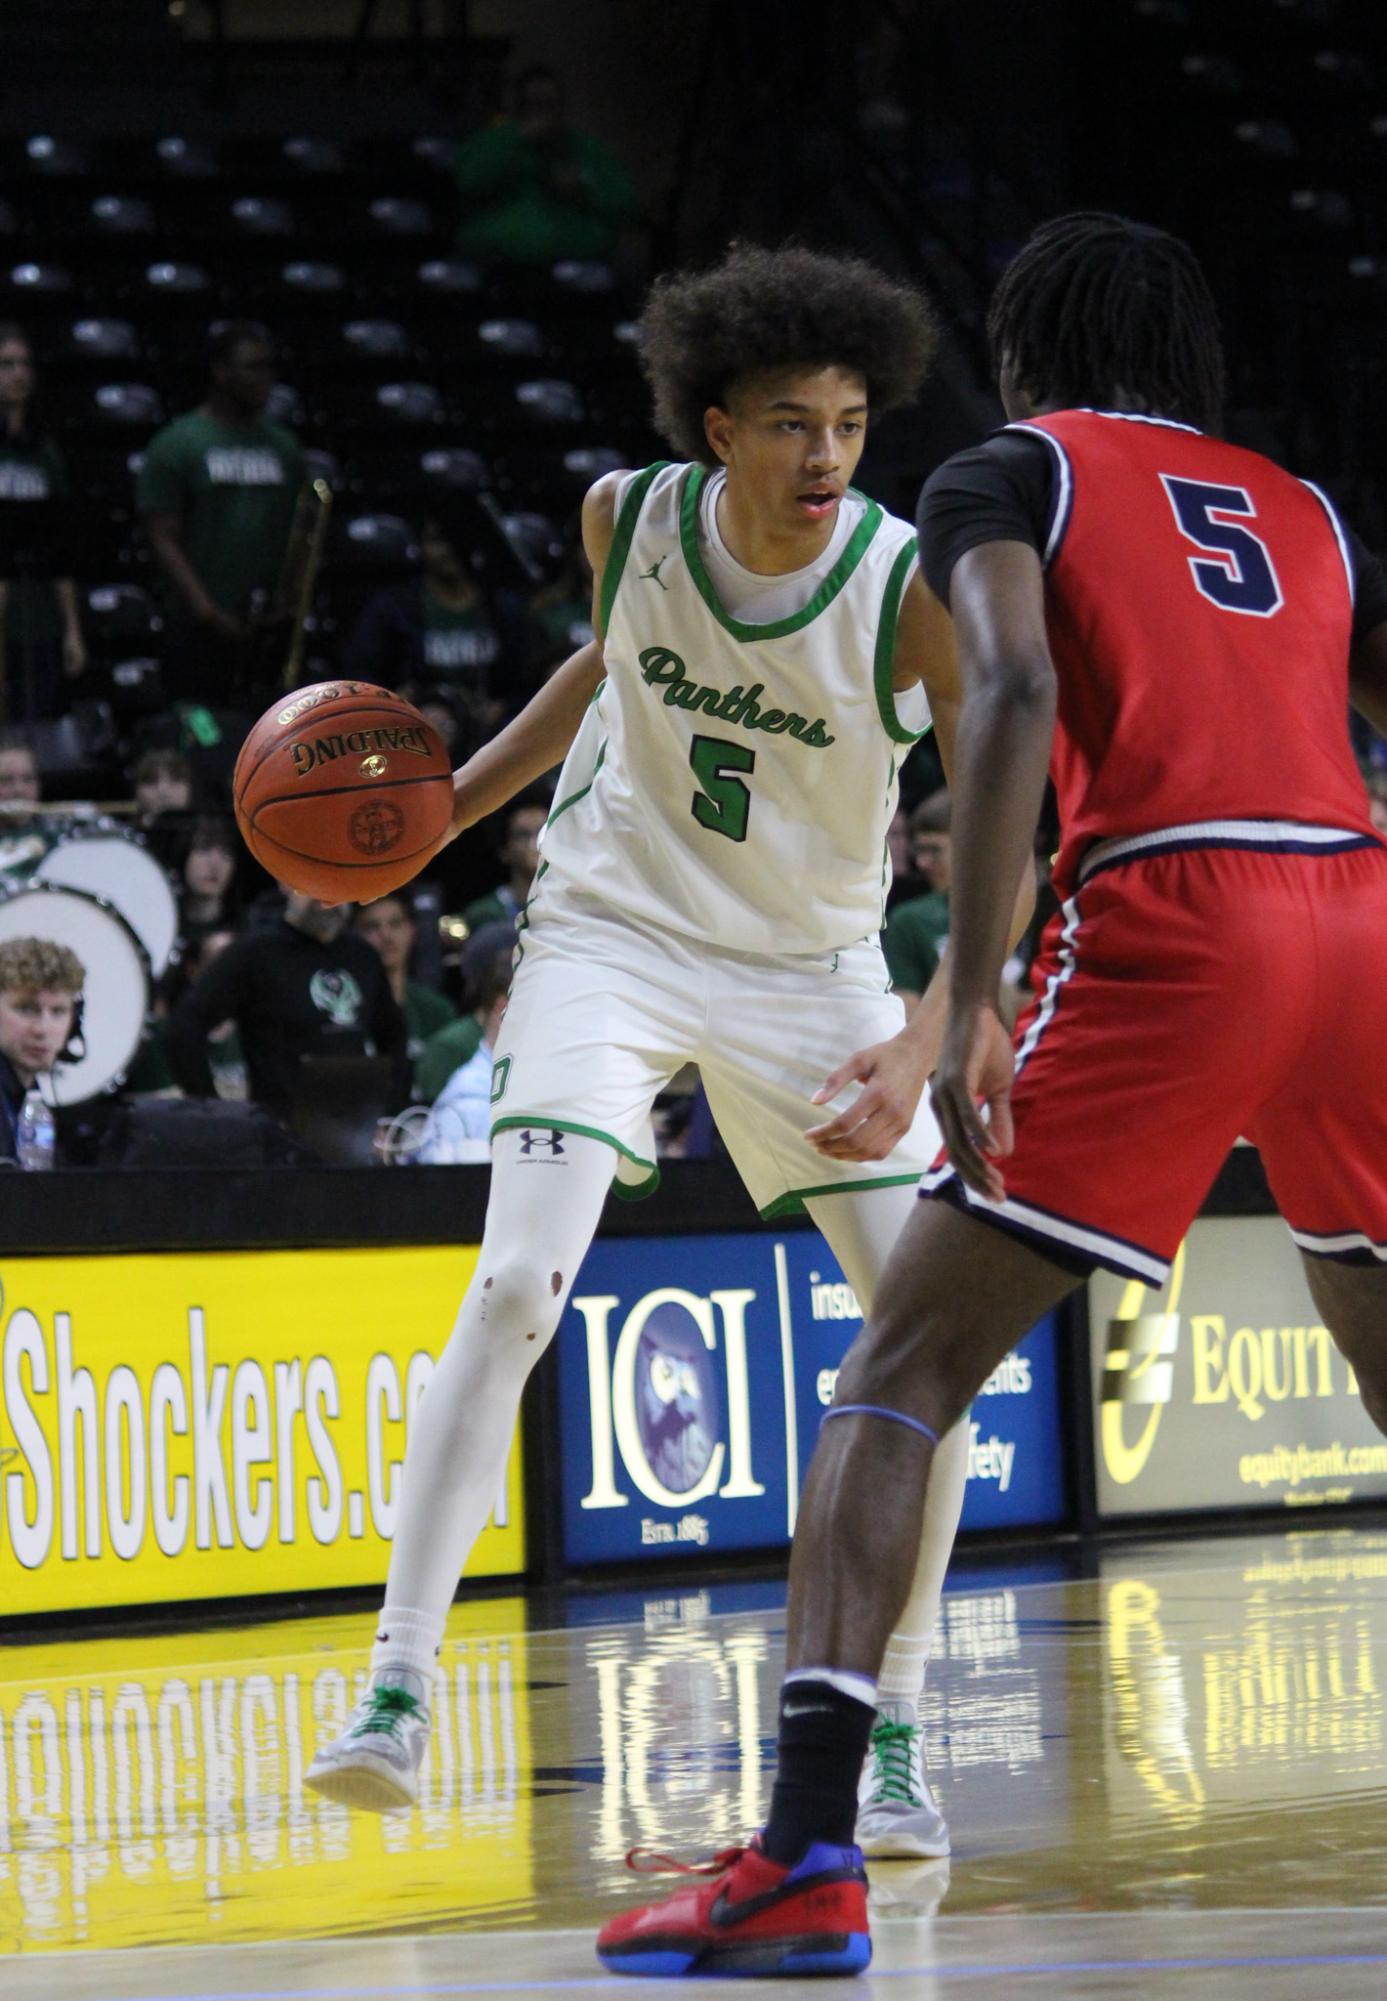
(975, 1074)
(894, 1074)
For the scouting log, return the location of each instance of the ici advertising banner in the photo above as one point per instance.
(1224, 1389)
(694, 1373)
(219, 1425)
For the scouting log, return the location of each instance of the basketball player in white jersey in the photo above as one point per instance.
(710, 890)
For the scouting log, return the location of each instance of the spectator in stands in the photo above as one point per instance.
(149, 1074)
(164, 789)
(439, 707)
(387, 925)
(306, 988)
(435, 630)
(917, 928)
(207, 898)
(559, 614)
(535, 191)
(904, 882)
(522, 823)
(41, 640)
(20, 784)
(216, 493)
(163, 782)
(40, 986)
(462, 1110)
(456, 1044)
(931, 850)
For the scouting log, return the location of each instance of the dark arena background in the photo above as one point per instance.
(237, 1231)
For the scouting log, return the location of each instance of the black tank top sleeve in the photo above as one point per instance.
(999, 491)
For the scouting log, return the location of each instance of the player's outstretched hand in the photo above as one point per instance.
(894, 1074)
(975, 1075)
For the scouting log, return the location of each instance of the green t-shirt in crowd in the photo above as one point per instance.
(913, 939)
(445, 1052)
(528, 202)
(38, 472)
(562, 623)
(426, 1012)
(233, 487)
(500, 907)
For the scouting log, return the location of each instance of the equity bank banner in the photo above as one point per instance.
(694, 1373)
(1224, 1389)
(218, 1425)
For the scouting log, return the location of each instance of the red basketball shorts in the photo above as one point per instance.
(1186, 998)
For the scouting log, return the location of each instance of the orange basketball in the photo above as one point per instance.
(341, 790)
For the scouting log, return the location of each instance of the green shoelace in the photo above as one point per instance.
(387, 1707)
(892, 1744)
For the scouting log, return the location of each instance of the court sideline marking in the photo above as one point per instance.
(617, 1983)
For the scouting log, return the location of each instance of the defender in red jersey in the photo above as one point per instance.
(1173, 628)
(1219, 871)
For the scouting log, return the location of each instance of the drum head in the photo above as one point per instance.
(122, 872)
(116, 993)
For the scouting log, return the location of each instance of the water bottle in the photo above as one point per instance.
(35, 1133)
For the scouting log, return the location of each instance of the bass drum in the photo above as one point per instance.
(115, 995)
(104, 861)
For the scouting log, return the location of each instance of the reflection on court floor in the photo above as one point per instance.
(1196, 1731)
(151, 1791)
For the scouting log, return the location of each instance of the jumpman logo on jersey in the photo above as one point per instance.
(652, 575)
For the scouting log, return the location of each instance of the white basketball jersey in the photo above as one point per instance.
(735, 782)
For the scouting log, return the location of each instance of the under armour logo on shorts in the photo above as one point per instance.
(541, 1142)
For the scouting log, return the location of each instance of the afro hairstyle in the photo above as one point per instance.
(762, 310)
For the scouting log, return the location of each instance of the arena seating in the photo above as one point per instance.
(404, 368)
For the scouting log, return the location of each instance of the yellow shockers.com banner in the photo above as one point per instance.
(1225, 1389)
(217, 1425)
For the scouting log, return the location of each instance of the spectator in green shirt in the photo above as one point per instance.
(40, 627)
(522, 825)
(388, 925)
(216, 493)
(534, 191)
(456, 1045)
(917, 929)
(435, 630)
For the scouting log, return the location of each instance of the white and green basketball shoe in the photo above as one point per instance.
(897, 1813)
(375, 1762)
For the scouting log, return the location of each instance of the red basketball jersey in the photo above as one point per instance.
(1199, 602)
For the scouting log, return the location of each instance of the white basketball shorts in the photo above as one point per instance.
(605, 1009)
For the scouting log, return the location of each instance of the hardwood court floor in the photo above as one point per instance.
(1164, 1781)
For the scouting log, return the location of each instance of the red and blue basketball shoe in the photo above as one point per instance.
(753, 1917)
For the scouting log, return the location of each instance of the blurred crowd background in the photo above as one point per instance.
(316, 322)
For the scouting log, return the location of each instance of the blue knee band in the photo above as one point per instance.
(876, 1410)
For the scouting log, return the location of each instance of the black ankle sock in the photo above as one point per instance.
(823, 1740)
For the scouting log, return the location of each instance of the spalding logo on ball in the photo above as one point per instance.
(342, 792)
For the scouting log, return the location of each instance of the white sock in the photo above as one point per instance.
(407, 1638)
(901, 1682)
(539, 1224)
